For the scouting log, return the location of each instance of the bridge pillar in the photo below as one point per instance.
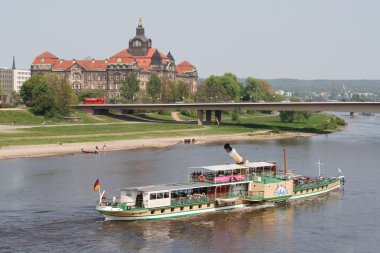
(218, 117)
(208, 117)
(200, 117)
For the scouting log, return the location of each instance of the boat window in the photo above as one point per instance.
(160, 195)
(153, 196)
(174, 194)
(182, 193)
(194, 191)
(166, 195)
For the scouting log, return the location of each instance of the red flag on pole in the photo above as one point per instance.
(96, 185)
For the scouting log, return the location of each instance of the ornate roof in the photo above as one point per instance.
(185, 66)
(45, 58)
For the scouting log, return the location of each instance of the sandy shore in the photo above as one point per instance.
(72, 148)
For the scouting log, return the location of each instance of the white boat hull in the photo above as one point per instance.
(307, 195)
(171, 215)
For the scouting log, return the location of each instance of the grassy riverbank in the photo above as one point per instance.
(118, 127)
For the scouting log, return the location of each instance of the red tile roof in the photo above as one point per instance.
(86, 64)
(185, 66)
(45, 58)
(93, 64)
(122, 57)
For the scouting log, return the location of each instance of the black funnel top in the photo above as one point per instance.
(228, 147)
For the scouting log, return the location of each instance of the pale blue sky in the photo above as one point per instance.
(333, 39)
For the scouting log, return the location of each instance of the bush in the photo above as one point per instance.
(235, 116)
(189, 113)
(164, 112)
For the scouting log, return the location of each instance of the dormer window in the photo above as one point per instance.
(118, 59)
(42, 60)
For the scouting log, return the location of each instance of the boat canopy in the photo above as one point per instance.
(259, 164)
(222, 167)
(167, 187)
(234, 166)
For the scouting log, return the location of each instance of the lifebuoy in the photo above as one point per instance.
(201, 177)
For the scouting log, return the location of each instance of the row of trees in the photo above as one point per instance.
(48, 95)
(51, 95)
(228, 88)
(215, 88)
(157, 89)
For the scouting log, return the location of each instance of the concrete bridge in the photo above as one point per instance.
(351, 107)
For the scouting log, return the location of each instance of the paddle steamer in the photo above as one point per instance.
(213, 188)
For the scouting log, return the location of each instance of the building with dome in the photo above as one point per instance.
(140, 57)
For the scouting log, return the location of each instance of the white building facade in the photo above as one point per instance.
(11, 81)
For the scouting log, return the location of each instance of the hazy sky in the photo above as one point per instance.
(333, 39)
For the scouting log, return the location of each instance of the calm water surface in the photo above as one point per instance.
(47, 204)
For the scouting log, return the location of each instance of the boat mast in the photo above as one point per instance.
(319, 167)
(285, 169)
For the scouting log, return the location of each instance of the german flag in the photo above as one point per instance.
(96, 185)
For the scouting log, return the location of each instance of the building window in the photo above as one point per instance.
(76, 86)
(77, 76)
(136, 43)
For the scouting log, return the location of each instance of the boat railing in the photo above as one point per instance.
(225, 178)
(313, 183)
(192, 199)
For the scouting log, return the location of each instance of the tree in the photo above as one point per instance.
(153, 87)
(48, 94)
(1, 95)
(63, 94)
(257, 90)
(219, 88)
(174, 91)
(291, 116)
(130, 86)
(26, 91)
(15, 98)
(43, 100)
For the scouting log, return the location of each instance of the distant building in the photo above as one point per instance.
(284, 93)
(140, 57)
(11, 81)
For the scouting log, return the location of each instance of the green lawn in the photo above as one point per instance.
(117, 129)
(25, 117)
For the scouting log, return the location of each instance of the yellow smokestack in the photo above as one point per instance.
(232, 152)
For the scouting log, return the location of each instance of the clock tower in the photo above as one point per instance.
(139, 45)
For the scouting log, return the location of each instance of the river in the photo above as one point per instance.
(47, 204)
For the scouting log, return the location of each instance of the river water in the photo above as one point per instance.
(47, 204)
